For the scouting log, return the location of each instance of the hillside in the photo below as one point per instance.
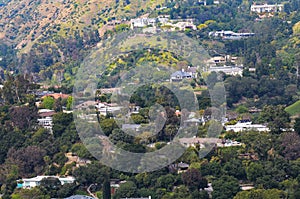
(293, 109)
(51, 38)
(26, 21)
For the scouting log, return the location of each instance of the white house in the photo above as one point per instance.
(192, 142)
(105, 108)
(227, 34)
(247, 126)
(180, 75)
(134, 127)
(266, 8)
(45, 122)
(217, 60)
(229, 143)
(228, 70)
(180, 25)
(79, 197)
(183, 25)
(36, 181)
(192, 71)
(45, 118)
(142, 22)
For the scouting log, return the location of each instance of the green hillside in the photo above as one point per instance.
(293, 109)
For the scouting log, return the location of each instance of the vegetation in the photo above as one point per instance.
(55, 38)
(293, 109)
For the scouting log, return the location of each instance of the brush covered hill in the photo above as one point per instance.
(51, 37)
(23, 22)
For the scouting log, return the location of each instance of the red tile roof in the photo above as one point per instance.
(57, 96)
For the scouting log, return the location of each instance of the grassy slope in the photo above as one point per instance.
(293, 109)
(24, 21)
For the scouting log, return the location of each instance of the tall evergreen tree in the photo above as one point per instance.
(106, 189)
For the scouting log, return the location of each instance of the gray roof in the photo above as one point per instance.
(80, 197)
(193, 120)
(180, 74)
(192, 69)
(131, 126)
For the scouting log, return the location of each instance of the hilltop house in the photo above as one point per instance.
(266, 8)
(142, 22)
(228, 70)
(105, 108)
(133, 127)
(45, 118)
(27, 183)
(164, 22)
(192, 71)
(192, 122)
(247, 126)
(217, 60)
(180, 75)
(79, 197)
(180, 25)
(46, 123)
(230, 35)
(192, 142)
(110, 90)
(179, 167)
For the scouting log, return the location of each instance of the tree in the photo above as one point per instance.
(254, 171)
(276, 117)
(210, 168)
(48, 102)
(178, 193)
(34, 193)
(166, 181)
(261, 143)
(108, 125)
(297, 125)
(30, 160)
(296, 28)
(227, 153)
(23, 117)
(261, 194)
(50, 186)
(225, 187)
(61, 121)
(242, 109)
(67, 190)
(138, 119)
(234, 167)
(91, 174)
(58, 105)
(81, 151)
(106, 189)
(291, 146)
(15, 89)
(69, 102)
(9, 139)
(118, 135)
(193, 179)
(170, 131)
(126, 190)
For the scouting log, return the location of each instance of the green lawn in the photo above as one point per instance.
(294, 108)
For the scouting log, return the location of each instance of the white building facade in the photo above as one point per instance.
(247, 126)
(266, 8)
(28, 183)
